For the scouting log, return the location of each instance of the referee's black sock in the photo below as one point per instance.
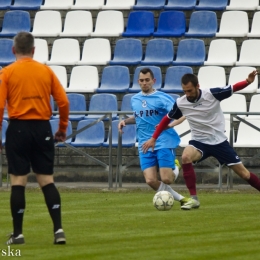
(53, 202)
(17, 204)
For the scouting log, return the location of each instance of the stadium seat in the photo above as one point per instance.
(127, 52)
(14, 22)
(64, 52)
(126, 103)
(41, 53)
(174, 96)
(119, 4)
(140, 24)
(87, 4)
(158, 52)
(238, 74)
(102, 102)
(5, 4)
(72, 21)
(211, 77)
(57, 4)
(83, 79)
(55, 126)
(233, 24)
(171, 24)
(254, 107)
(202, 24)
(249, 53)
(190, 52)
(172, 82)
(180, 5)
(47, 24)
(114, 79)
(255, 28)
(222, 52)
(248, 136)
(96, 51)
(61, 73)
(93, 136)
(26, 5)
(212, 5)
(157, 75)
(6, 55)
(242, 5)
(4, 128)
(128, 136)
(149, 5)
(109, 23)
(235, 103)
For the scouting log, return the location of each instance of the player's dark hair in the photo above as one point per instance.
(147, 70)
(186, 78)
(23, 43)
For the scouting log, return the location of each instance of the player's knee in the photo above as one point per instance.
(151, 182)
(186, 158)
(167, 180)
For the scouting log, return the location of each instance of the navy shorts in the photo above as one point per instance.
(223, 152)
(29, 143)
(163, 158)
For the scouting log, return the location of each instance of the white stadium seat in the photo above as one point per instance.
(57, 4)
(87, 4)
(41, 53)
(242, 5)
(61, 73)
(119, 4)
(254, 107)
(255, 28)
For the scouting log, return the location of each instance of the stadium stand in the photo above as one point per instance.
(14, 22)
(6, 55)
(72, 21)
(190, 52)
(114, 79)
(180, 5)
(211, 5)
(157, 75)
(87, 4)
(5, 4)
(254, 107)
(233, 24)
(26, 5)
(127, 52)
(61, 73)
(41, 53)
(255, 28)
(159, 52)
(149, 4)
(83, 79)
(140, 24)
(202, 24)
(171, 24)
(119, 4)
(109, 23)
(57, 4)
(242, 5)
(47, 24)
(96, 51)
(222, 52)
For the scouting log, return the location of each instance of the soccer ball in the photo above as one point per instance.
(163, 200)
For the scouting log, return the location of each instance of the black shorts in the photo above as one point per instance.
(29, 143)
(223, 152)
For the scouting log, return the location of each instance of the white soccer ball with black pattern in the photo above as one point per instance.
(163, 200)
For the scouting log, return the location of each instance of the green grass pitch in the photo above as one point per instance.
(125, 225)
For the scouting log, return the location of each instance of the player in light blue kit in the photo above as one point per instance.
(149, 107)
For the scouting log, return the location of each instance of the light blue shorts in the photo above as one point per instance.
(163, 158)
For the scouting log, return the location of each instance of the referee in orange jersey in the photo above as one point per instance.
(26, 86)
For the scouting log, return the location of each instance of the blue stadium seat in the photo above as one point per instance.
(14, 22)
(171, 24)
(172, 82)
(126, 103)
(127, 52)
(5, 4)
(190, 52)
(114, 79)
(102, 102)
(54, 127)
(211, 5)
(93, 136)
(6, 54)
(180, 5)
(128, 137)
(140, 24)
(26, 5)
(202, 24)
(157, 75)
(149, 5)
(4, 127)
(174, 96)
(158, 52)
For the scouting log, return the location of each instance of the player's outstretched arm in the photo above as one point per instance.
(243, 84)
(123, 123)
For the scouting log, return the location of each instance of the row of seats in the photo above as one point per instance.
(111, 23)
(131, 4)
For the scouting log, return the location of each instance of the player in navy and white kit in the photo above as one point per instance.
(149, 107)
(201, 107)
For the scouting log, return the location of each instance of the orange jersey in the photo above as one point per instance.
(26, 85)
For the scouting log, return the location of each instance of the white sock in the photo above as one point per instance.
(176, 172)
(175, 194)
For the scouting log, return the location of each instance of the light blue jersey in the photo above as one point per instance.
(149, 110)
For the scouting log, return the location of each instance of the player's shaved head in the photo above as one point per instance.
(186, 78)
(23, 43)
